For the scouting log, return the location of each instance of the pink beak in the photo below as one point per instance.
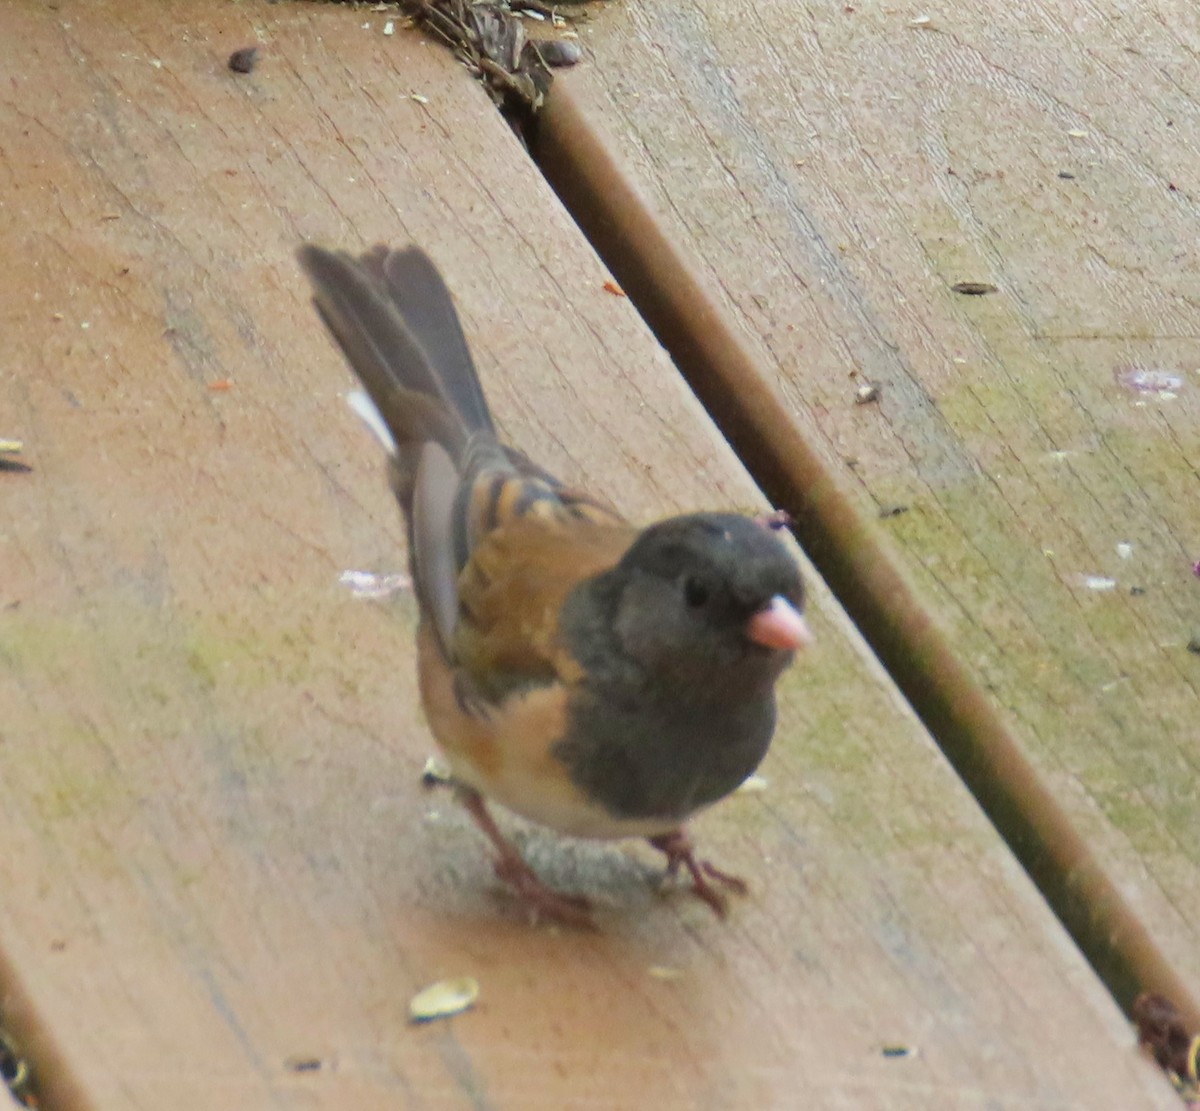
(780, 625)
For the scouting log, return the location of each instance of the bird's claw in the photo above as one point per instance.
(680, 852)
(543, 901)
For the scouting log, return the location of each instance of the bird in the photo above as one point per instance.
(601, 679)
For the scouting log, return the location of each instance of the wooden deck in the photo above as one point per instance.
(1033, 450)
(223, 881)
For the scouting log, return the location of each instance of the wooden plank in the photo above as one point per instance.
(835, 171)
(223, 881)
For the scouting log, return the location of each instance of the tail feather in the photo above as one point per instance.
(392, 316)
(364, 408)
(382, 325)
(418, 291)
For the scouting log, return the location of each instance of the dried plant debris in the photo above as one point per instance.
(1161, 1029)
(491, 40)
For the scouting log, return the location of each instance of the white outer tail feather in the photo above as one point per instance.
(369, 415)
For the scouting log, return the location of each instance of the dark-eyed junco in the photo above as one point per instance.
(602, 680)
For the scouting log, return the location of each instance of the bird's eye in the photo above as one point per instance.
(695, 592)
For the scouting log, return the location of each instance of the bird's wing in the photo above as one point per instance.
(513, 589)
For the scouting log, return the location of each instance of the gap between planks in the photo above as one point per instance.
(850, 553)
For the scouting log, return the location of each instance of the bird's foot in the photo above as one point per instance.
(681, 852)
(542, 901)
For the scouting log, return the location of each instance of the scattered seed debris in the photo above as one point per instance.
(9, 449)
(559, 53)
(372, 585)
(436, 773)
(922, 22)
(752, 785)
(418, 98)
(865, 394)
(664, 972)
(443, 999)
(1098, 582)
(302, 1064)
(887, 511)
(1140, 379)
(611, 287)
(244, 60)
(1077, 133)
(898, 1052)
(974, 289)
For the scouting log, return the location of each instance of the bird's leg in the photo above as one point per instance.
(543, 901)
(679, 850)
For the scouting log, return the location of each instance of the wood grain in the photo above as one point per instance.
(836, 171)
(222, 882)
